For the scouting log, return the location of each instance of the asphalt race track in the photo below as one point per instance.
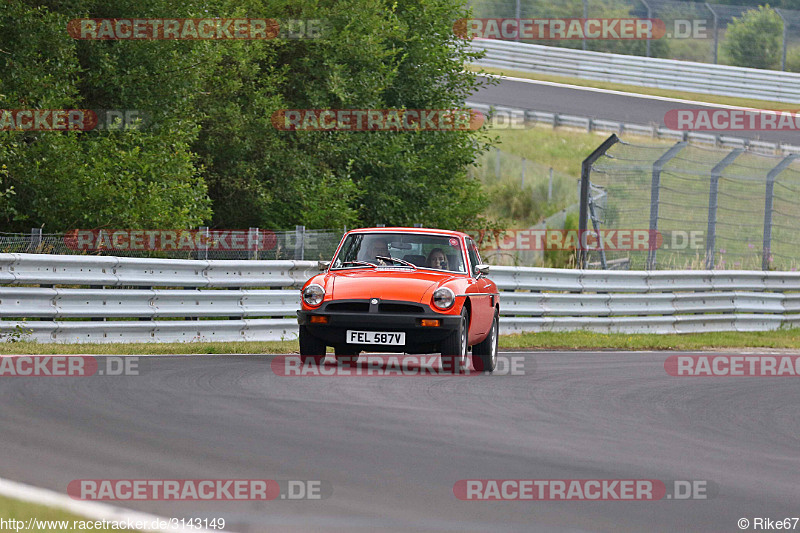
(601, 105)
(393, 447)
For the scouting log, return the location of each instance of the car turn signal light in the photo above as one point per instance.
(319, 319)
(431, 322)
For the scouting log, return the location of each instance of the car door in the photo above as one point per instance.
(481, 295)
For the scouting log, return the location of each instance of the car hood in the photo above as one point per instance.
(387, 284)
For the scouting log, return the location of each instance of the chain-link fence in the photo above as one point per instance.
(697, 208)
(523, 190)
(203, 243)
(692, 31)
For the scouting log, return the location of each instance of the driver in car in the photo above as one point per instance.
(378, 247)
(437, 259)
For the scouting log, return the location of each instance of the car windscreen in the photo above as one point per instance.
(437, 252)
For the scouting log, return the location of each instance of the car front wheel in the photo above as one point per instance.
(455, 348)
(346, 355)
(311, 348)
(484, 354)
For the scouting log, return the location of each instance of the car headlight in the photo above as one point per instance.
(444, 298)
(313, 295)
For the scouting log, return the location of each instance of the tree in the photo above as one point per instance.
(754, 40)
(209, 151)
(143, 178)
(391, 55)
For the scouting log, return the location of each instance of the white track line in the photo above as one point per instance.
(90, 510)
(620, 93)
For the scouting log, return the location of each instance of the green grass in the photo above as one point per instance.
(35, 348)
(562, 149)
(652, 91)
(783, 338)
(585, 340)
(23, 511)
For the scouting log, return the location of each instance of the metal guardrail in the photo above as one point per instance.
(217, 309)
(517, 117)
(687, 76)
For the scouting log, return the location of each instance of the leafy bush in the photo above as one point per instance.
(755, 39)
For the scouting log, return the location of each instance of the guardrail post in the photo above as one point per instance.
(769, 197)
(299, 238)
(586, 170)
(711, 234)
(655, 190)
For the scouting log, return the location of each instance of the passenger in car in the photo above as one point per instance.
(437, 259)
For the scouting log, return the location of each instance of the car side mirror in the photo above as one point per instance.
(481, 270)
(323, 265)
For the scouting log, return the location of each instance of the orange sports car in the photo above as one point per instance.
(409, 290)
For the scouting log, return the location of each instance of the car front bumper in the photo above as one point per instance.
(419, 338)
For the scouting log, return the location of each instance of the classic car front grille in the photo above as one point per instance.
(400, 308)
(352, 307)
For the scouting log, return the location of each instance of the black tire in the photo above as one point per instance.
(455, 348)
(311, 348)
(346, 355)
(484, 354)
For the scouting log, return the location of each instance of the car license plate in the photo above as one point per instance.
(376, 337)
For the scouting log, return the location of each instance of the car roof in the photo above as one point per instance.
(411, 230)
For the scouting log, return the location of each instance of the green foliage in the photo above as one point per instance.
(754, 40)
(563, 258)
(209, 152)
(793, 59)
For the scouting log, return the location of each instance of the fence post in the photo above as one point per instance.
(36, 240)
(204, 242)
(523, 172)
(649, 16)
(785, 38)
(518, 15)
(497, 163)
(711, 233)
(252, 243)
(299, 244)
(716, 32)
(550, 186)
(585, 17)
(655, 191)
(771, 177)
(586, 170)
